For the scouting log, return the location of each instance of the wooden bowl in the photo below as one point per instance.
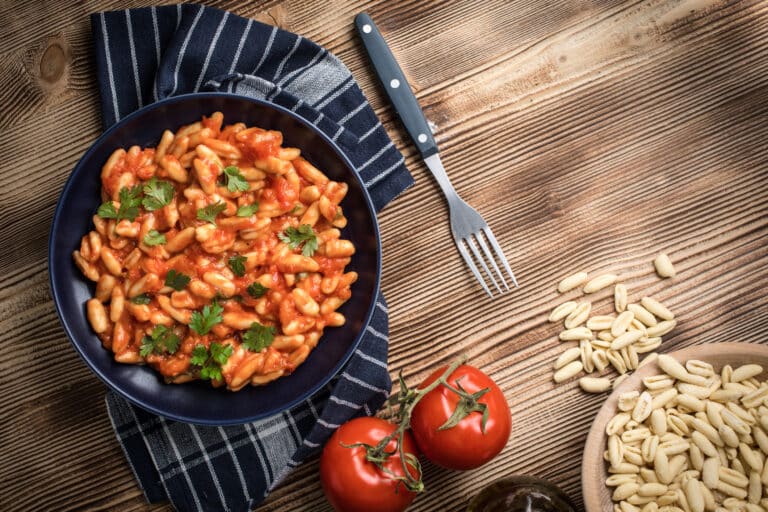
(594, 470)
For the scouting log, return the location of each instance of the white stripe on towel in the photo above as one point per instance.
(135, 65)
(109, 68)
(183, 50)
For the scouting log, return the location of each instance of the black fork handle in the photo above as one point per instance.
(396, 86)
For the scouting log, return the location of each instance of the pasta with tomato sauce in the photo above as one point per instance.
(216, 255)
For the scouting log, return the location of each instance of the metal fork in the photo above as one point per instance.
(467, 225)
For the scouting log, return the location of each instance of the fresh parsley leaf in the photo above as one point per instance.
(258, 337)
(257, 290)
(247, 210)
(295, 237)
(141, 299)
(171, 342)
(162, 340)
(176, 280)
(211, 372)
(235, 181)
(211, 360)
(154, 237)
(147, 346)
(157, 193)
(130, 200)
(202, 322)
(237, 264)
(107, 210)
(220, 353)
(220, 297)
(210, 212)
(199, 355)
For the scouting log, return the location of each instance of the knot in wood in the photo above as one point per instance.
(53, 63)
(553, 205)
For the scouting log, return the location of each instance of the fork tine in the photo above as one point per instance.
(479, 258)
(499, 252)
(471, 265)
(489, 257)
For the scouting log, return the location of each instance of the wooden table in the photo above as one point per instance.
(590, 134)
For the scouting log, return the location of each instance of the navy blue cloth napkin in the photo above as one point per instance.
(144, 55)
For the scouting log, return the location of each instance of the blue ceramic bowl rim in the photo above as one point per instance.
(79, 169)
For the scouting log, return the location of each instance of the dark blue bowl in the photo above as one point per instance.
(198, 402)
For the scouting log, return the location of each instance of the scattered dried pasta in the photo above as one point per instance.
(664, 266)
(607, 340)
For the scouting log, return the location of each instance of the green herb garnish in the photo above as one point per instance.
(107, 210)
(211, 360)
(130, 200)
(237, 264)
(296, 237)
(154, 237)
(176, 280)
(162, 340)
(157, 193)
(235, 181)
(202, 322)
(257, 290)
(247, 210)
(141, 299)
(210, 212)
(258, 337)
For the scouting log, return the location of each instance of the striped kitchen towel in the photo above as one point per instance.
(144, 55)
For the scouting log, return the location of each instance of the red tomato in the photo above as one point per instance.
(353, 484)
(464, 446)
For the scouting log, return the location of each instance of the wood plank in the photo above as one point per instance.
(589, 134)
(23, 22)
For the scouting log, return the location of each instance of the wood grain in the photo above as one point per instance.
(590, 134)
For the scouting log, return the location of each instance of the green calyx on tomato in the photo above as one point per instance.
(468, 403)
(379, 456)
